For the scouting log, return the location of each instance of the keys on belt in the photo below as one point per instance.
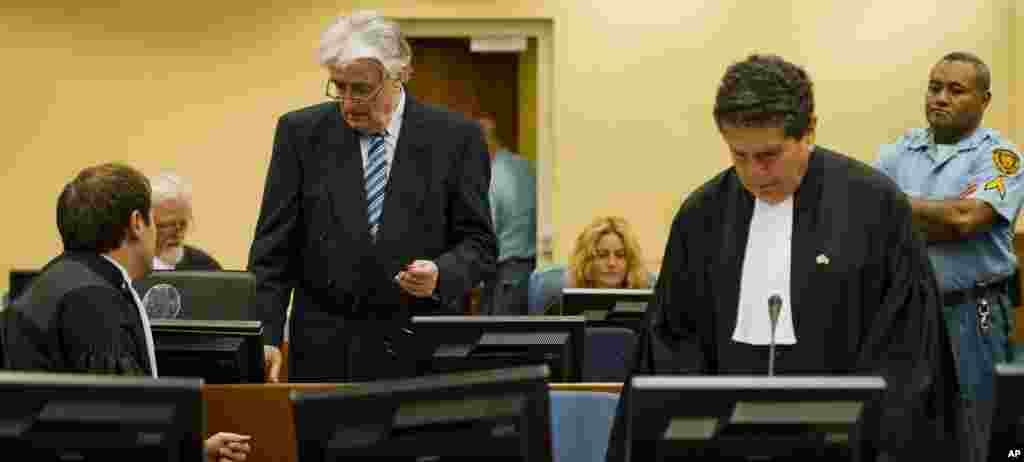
(980, 295)
(984, 312)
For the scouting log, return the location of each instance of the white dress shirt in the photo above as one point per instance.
(159, 264)
(767, 265)
(150, 348)
(390, 138)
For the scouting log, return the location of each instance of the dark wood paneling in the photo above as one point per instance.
(447, 74)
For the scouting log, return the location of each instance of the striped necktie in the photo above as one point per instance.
(376, 179)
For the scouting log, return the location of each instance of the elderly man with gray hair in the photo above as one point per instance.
(375, 209)
(172, 211)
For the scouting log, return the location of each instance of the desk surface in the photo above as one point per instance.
(264, 411)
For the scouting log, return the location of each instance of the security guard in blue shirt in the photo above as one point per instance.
(965, 187)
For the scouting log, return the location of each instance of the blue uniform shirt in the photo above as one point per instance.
(513, 196)
(983, 166)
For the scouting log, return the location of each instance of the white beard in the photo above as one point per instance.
(172, 255)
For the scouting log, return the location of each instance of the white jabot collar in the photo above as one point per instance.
(767, 266)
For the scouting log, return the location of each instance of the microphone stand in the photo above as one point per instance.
(774, 307)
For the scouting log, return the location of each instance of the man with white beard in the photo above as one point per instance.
(172, 211)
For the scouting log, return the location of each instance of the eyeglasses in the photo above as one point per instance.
(358, 92)
(172, 226)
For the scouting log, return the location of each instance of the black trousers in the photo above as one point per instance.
(328, 349)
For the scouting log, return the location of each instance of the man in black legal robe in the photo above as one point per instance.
(831, 234)
(81, 314)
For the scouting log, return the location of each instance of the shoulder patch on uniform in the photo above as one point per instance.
(998, 185)
(1006, 161)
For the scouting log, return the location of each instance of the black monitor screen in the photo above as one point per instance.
(483, 415)
(70, 417)
(1008, 423)
(221, 295)
(744, 416)
(600, 307)
(217, 351)
(463, 343)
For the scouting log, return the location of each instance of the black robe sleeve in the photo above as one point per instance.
(94, 339)
(907, 344)
(672, 342)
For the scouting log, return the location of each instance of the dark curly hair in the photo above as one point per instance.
(765, 91)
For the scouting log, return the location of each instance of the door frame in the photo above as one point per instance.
(542, 30)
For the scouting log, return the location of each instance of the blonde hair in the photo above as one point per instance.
(581, 262)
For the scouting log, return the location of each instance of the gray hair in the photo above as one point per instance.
(365, 34)
(169, 185)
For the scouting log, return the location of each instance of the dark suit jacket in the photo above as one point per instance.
(195, 259)
(312, 235)
(76, 316)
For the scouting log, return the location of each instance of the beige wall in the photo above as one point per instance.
(648, 147)
(197, 86)
(1015, 48)
(528, 101)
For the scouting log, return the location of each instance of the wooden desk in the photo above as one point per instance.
(610, 387)
(264, 411)
(261, 410)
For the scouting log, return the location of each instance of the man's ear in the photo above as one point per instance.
(812, 127)
(136, 226)
(405, 74)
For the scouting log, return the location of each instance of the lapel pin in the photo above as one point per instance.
(822, 259)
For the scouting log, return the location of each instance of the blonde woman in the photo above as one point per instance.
(607, 256)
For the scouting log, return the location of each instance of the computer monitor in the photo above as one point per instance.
(498, 414)
(91, 418)
(19, 280)
(216, 351)
(222, 295)
(603, 307)
(744, 416)
(1008, 420)
(464, 343)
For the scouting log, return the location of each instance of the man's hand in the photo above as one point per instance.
(419, 278)
(227, 447)
(969, 190)
(272, 360)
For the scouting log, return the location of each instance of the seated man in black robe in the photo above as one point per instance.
(81, 314)
(828, 235)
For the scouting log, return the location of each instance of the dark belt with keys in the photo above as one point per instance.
(984, 317)
(981, 295)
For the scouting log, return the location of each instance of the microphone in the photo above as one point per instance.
(774, 306)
